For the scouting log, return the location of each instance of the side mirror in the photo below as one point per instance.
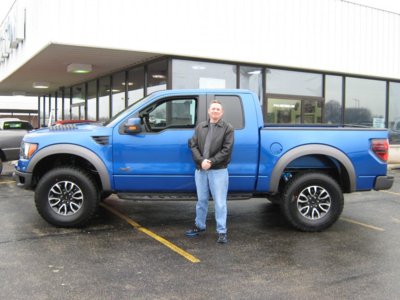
(133, 126)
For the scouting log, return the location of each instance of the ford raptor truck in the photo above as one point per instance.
(142, 153)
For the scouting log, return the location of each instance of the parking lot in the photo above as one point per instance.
(137, 250)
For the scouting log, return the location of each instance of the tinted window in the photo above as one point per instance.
(365, 102)
(333, 99)
(251, 79)
(157, 76)
(294, 83)
(204, 75)
(118, 92)
(92, 100)
(135, 85)
(394, 112)
(17, 125)
(233, 111)
(104, 99)
(78, 102)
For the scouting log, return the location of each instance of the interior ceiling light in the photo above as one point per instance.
(79, 68)
(255, 72)
(41, 85)
(158, 76)
(198, 67)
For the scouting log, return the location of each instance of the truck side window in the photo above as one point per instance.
(173, 113)
(233, 110)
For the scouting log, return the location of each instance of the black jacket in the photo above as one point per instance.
(221, 145)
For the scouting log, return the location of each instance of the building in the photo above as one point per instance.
(310, 61)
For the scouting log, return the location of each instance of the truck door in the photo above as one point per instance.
(240, 112)
(158, 159)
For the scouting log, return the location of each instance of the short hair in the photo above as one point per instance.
(216, 101)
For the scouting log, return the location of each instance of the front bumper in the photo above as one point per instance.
(23, 179)
(383, 182)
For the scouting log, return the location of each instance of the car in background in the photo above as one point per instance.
(12, 130)
(14, 124)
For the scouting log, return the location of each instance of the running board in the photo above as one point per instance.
(174, 196)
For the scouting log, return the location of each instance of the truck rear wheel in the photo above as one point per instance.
(67, 197)
(312, 201)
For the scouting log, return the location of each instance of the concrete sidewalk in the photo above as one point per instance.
(8, 168)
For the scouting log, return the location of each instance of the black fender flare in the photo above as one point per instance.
(311, 149)
(85, 153)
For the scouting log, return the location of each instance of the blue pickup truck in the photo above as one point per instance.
(143, 153)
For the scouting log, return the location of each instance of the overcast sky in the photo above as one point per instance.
(17, 101)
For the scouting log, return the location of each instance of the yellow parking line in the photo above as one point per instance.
(394, 193)
(362, 224)
(160, 239)
(367, 225)
(7, 182)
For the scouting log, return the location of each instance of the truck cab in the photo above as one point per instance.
(143, 153)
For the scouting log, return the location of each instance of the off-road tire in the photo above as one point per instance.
(67, 197)
(312, 201)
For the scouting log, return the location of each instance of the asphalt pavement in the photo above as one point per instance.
(137, 250)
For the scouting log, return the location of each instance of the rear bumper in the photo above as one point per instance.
(383, 182)
(23, 179)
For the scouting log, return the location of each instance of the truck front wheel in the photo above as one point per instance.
(67, 197)
(312, 201)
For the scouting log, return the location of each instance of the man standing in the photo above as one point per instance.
(211, 146)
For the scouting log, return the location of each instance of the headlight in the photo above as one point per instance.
(27, 150)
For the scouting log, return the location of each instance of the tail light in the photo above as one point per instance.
(380, 148)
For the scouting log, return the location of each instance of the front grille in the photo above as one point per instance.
(102, 140)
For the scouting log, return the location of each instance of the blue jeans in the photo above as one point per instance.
(216, 182)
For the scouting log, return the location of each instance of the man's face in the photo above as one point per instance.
(215, 112)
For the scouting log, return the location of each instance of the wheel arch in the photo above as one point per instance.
(82, 153)
(313, 150)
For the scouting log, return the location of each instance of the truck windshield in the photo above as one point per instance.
(126, 111)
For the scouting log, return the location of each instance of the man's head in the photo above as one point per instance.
(215, 111)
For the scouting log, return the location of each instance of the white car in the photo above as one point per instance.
(12, 131)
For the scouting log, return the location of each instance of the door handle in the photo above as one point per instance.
(125, 169)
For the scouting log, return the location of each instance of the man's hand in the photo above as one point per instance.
(206, 164)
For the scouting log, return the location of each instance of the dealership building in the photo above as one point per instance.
(309, 61)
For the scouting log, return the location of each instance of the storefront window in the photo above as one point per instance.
(251, 79)
(157, 76)
(196, 74)
(104, 99)
(294, 83)
(59, 108)
(78, 102)
(333, 99)
(135, 85)
(53, 108)
(67, 104)
(287, 111)
(118, 93)
(394, 112)
(365, 102)
(92, 100)
(42, 110)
